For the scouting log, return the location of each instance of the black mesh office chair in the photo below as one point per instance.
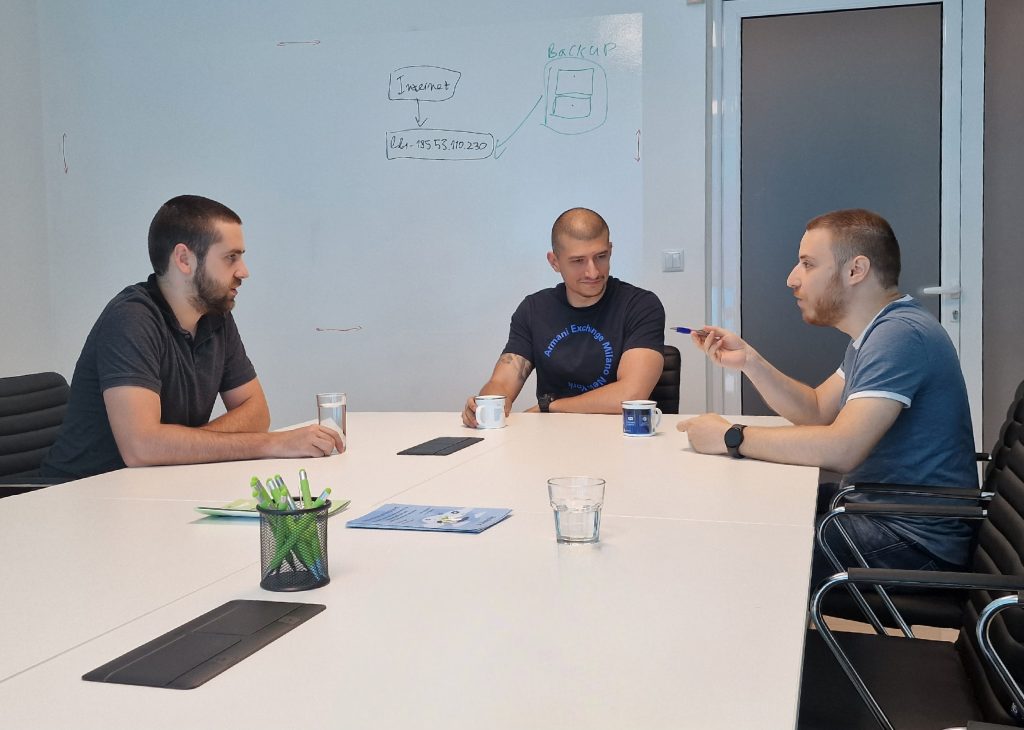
(925, 606)
(31, 412)
(666, 392)
(871, 680)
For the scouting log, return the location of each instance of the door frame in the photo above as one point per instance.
(963, 51)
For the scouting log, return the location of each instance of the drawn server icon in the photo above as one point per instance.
(574, 92)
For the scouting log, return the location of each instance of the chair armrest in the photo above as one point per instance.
(919, 490)
(9, 486)
(936, 579)
(911, 510)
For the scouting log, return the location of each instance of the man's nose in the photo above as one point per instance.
(242, 272)
(791, 280)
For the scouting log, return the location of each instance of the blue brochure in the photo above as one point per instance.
(432, 519)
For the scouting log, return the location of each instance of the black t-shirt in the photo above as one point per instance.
(137, 341)
(576, 350)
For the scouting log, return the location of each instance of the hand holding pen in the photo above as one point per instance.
(720, 345)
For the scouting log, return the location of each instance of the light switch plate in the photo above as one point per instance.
(672, 260)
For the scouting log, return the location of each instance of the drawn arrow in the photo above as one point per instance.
(419, 122)
(499, 148)
(637, 158)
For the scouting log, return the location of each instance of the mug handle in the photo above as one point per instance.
(657, 419)
(482, 409)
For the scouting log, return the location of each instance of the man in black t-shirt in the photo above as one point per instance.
(152, 366)
(595, 341)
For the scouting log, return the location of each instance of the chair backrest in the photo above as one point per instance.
(999, 549)
(31, 412)
(666, 392)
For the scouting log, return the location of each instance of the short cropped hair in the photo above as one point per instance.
(187, 219)
(859, 232)
(582, 224)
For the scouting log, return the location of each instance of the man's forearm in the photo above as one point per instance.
(253, 416)
(791, 399)
(170, 444)
(802, 446)
(606, 399)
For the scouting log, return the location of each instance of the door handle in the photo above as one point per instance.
(950, 290)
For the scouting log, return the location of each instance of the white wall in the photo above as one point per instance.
(24, 277)
(146, 91)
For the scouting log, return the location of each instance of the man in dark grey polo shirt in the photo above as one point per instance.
(162, 350)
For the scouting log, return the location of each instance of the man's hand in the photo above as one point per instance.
(510, 372)
(469, 412)
(723, 347)
(315, 440)
(706, 433)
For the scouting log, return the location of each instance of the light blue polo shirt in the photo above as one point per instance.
(905, 355)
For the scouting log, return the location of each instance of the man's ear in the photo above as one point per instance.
(553, 260)
(857, 269)
(183, 259)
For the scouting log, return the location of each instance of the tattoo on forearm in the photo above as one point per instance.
(521, 364)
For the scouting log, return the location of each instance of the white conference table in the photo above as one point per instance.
(690, 612)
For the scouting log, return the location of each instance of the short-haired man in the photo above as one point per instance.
(595, 340)
(895, 412)
(151, 368)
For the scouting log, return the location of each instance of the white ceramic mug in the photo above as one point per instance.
(640, 417)
(490, 411)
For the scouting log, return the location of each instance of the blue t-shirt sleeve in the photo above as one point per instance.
(890, 364)
(129, 348)
(645, 323)
(520, 338)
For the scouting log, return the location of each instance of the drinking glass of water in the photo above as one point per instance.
(577, 503)
(331, 412)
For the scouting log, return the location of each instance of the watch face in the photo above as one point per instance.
(733, 437)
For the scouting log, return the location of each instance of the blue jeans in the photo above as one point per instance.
(880, 546)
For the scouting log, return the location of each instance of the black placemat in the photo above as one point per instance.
(199, 650)
(441, 446)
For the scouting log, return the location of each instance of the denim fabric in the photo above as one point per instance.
(880, 546)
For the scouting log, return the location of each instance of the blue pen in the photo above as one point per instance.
(688, 330)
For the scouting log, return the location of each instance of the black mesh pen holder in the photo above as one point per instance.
(293, 548)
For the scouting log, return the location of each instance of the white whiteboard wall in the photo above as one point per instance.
(429, 257)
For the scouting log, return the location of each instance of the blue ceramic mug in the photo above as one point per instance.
(640, 417)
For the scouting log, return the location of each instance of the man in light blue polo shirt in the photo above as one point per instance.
(896, 411)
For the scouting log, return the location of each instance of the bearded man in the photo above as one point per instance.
(895, 411)
(162, 350)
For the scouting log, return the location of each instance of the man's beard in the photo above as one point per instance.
(831, 307)
(208, 297)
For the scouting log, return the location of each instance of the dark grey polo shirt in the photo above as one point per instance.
(137, 341)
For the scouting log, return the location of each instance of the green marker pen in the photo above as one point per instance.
(260, 492)
(319, 501)
(307, 498)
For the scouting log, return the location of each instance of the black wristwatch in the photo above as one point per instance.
(545, 402)
(733, 439)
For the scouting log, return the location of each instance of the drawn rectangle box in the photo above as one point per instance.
(576, 81)
(439, 144)
(571, 107)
